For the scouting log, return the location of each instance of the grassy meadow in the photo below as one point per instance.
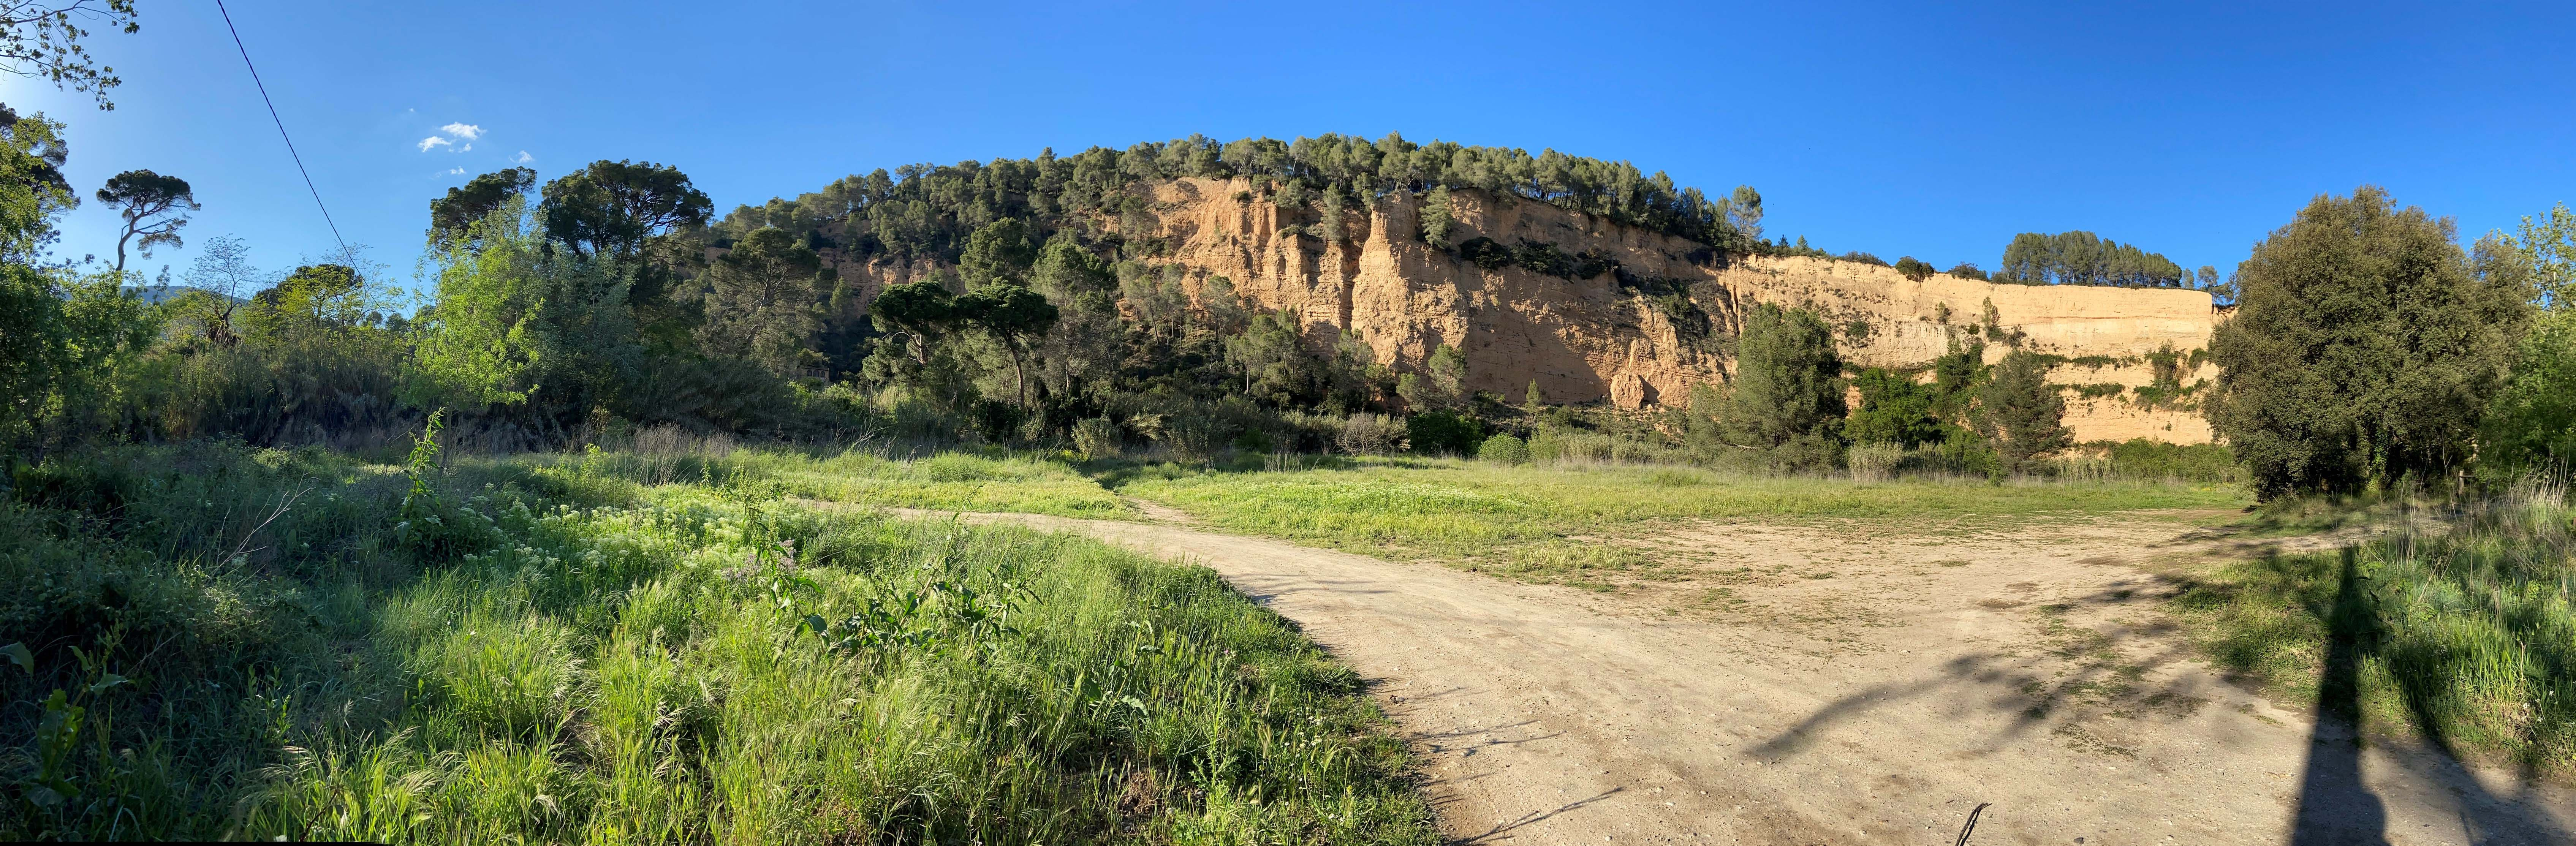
(1533, 521)
(211, 641)
(2462, 634)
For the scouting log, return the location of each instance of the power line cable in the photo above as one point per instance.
(281, 126)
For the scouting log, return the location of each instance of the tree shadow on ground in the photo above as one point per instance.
(2114, 672)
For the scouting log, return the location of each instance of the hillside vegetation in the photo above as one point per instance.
(297, 553)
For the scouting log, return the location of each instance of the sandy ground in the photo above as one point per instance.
(1814, 684)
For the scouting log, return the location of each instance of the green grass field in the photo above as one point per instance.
(2463, 636)
(219, 642)
(991, 480)
(1520, 520)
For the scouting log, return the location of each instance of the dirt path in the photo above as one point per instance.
(1877, 703)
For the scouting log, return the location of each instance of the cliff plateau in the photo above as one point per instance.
(1662, 316)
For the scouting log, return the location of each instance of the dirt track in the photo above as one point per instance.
(1878, 702)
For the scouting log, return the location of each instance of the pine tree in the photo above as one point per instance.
(2021, 412)
(1788, 387)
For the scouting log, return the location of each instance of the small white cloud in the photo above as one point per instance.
(450, 134)
(456, 171)
(523, 158)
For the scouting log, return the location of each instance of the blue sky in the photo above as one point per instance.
(1899, 128)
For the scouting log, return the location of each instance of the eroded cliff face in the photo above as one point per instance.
(1662, 322)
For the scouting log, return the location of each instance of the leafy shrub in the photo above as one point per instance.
(1965, 270)
(2532, 422)
(997, 421)
(1306, 431)
(1096, 438)
(1864, 258)
(1503, 449)
(1194, 433)
(1543, 258)
(1370, 434)
(1914, 268)
(1443, 433)
(2139, 458)
(1546, 444)
(1485, 253)
(1894, 409)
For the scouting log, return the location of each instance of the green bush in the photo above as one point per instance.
(1503, 449)
(1195, 433)
(1369, 434)
(2139, 458)
(1443, 433)
(1096, 438)
(1485, 253)
(2532, 423)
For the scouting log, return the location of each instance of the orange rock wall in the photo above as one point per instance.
(1588, 340)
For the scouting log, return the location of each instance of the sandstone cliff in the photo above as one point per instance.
(1664, 320)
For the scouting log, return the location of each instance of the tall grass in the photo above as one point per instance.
(2464, 636)
(870, 473)
(227, 642)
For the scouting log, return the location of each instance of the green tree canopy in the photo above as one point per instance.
(153, 209)
(315, 299)
(2365, 347)
(451, 216)
(1014, 317)
(2532, 424)
(611, 208)
(1894, 409)
(2083, 258)
(763, 301)
(933, 210)
(36, 345)
(518, 322)
(32, 188)
(1064, 268)
(1271, 356)
(2549, 244)
(998, 254)
(42, 39)
(1788, 383)
(2021, 412)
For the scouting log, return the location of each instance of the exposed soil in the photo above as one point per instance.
(1841, 684)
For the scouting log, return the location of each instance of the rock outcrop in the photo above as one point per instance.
(1664, 319)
